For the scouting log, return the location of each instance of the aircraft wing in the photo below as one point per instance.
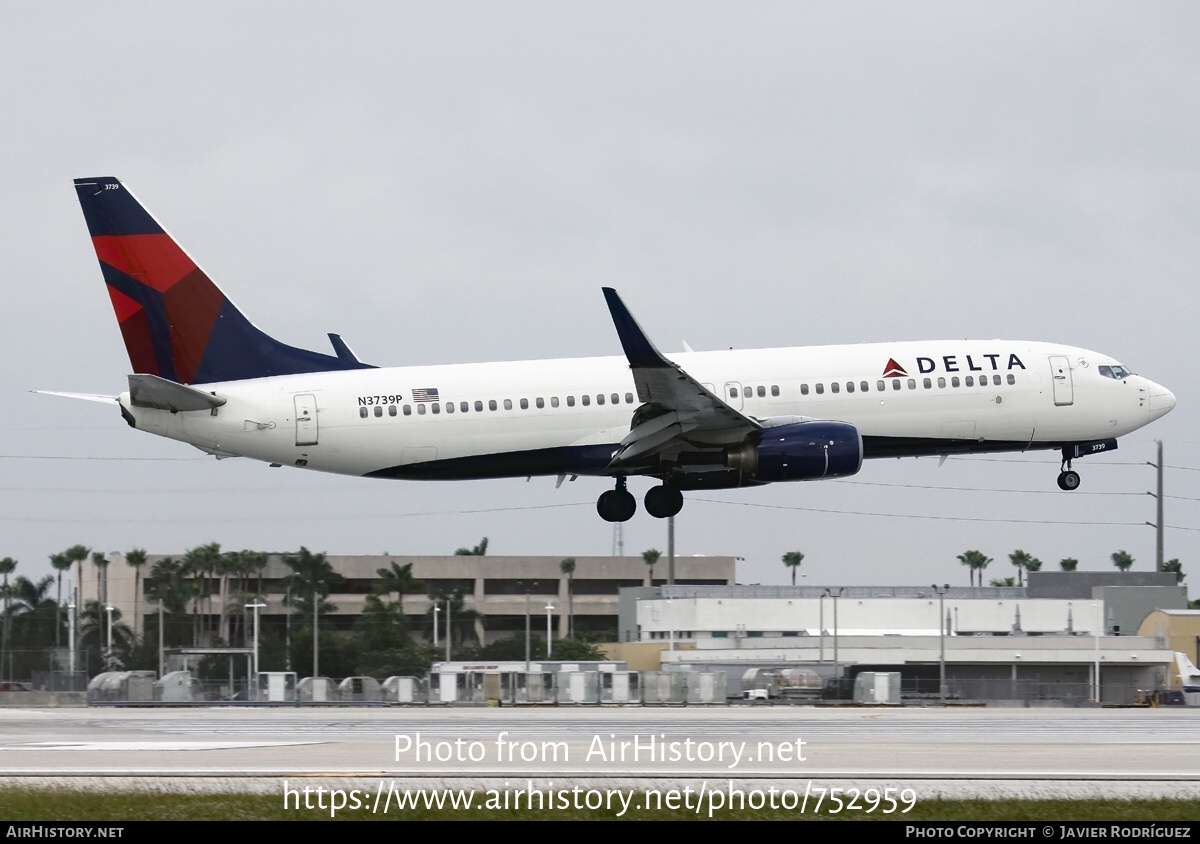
(677, 411)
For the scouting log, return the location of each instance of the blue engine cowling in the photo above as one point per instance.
(802, 451)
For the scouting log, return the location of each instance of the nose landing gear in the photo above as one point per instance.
(1067, 479)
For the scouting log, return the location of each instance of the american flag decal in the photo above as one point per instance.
(425, 394)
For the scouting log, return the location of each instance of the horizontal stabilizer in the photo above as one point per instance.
(152, 391)
(81, 396)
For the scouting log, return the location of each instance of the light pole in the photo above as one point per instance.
(71, 638)
(316, 628)
(436, 609)
(526, 629)
(256, 606)
(941, 593)
(449, 631)
(108, 608)
(549, 619)
(835, 592)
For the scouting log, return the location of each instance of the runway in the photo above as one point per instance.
(952, 753)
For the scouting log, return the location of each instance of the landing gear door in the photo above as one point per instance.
(1060, 374)
(306, 419)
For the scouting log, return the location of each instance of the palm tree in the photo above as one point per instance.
(93, 635)
(399, 579)
(201, 563)
(478, 551)
(1068, 563)
(135, 559)
(1007, 581)
(100, 561)
(1177, 567)
(63, 562)
(567, 567)
(651, 558)
(312, 577)
(1021, 559)
(793, 559)
(7, 566)
(1122, 560)
(975, 561)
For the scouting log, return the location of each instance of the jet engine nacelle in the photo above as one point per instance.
(803, 451)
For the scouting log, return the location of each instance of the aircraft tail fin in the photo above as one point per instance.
(176, 323)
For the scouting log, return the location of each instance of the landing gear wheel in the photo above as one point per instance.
(616, 505)
(663, 501)
(1068, 480)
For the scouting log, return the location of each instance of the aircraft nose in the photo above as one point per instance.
(1162, 400)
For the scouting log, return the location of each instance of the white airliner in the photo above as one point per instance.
(205, 375)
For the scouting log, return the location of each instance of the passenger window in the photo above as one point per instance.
(834, 387)
(570, 401)
(849, 386)
(629, 398)
(464, 406)
(540, 402)
(421, 409)
(391, 410)
(969, 381)
(362, 412)
(775, 389)
(880, 386)
(435, 408)
(524, 404)
(996, 380)
(478, 407)
(896, 384)
(508, 404)
(1012, 378)
(762, 392)
(747, 392)
(926, 383)
(733, 392)
(616, 398)
(449, 407)
(378, 410)
(912, 384)
(408, 410)
(804, 389)
(586, 399)
(954, 381)
(599, 398)
(941, 383)
(491, 404)
(554, 401)
(864, 386)
(820, 389)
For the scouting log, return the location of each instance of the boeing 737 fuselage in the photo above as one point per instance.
(205, 375)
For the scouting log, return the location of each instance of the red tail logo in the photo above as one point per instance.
(893, 369)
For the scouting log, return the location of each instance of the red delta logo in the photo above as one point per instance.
(893, 369)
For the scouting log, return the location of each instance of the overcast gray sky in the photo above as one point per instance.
(454, 182)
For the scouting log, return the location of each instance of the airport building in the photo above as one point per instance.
(500, 589)
(1050, 640)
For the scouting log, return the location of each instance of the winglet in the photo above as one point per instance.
(638, 348)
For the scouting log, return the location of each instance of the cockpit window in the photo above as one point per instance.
(1115, 371)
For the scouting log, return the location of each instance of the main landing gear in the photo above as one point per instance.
(1067, 479)
(664, 501)
(619, 505)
